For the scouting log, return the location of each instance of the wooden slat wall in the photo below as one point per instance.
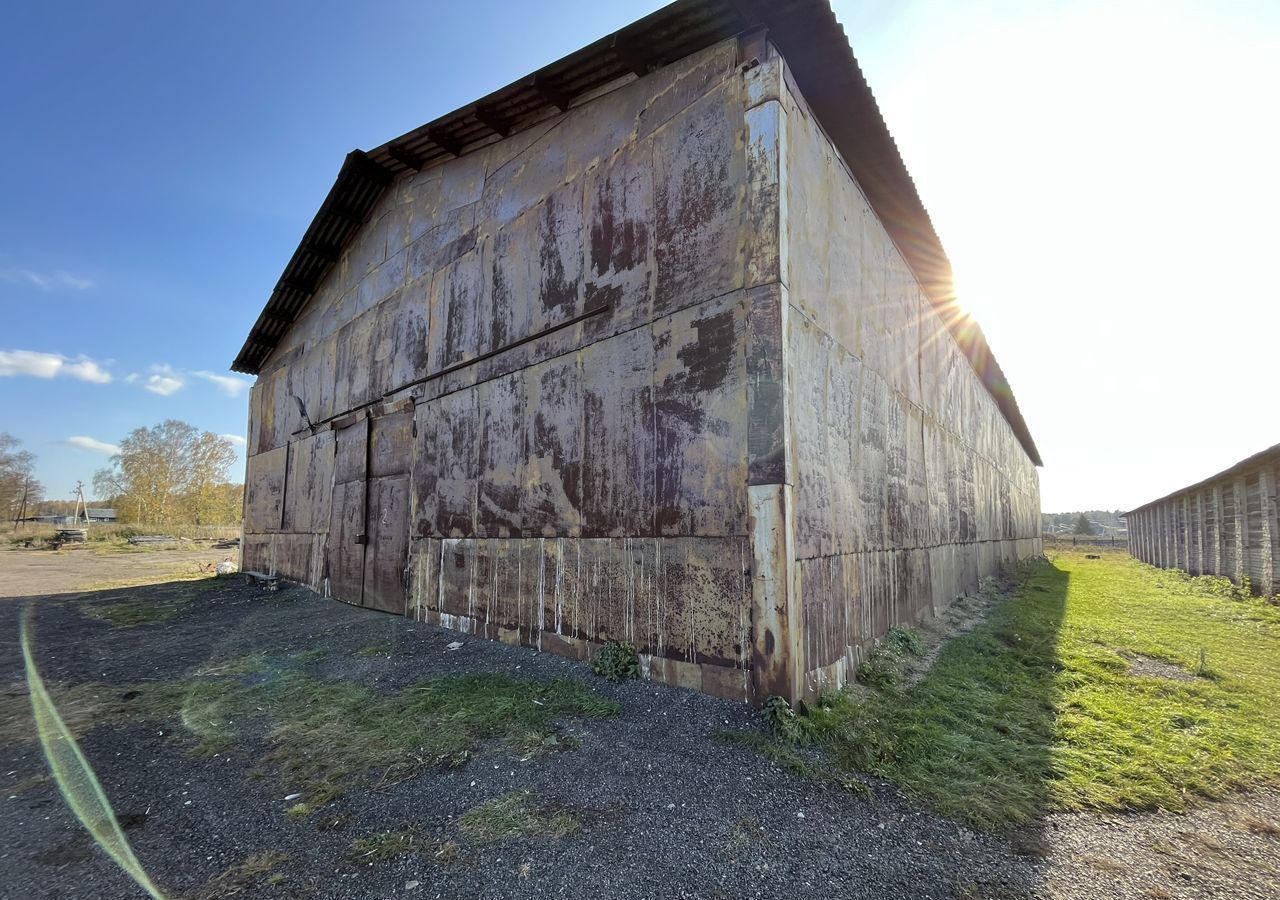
(1227, 527)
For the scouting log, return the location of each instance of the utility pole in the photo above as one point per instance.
(22, 507)
(80, 504)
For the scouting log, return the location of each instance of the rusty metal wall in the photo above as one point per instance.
(909, 483)
(568, 309)
(1228, 525)
(671, 383)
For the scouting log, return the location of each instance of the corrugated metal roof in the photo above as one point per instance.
(818, 53)
(1271, 454)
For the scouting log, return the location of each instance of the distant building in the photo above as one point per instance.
(101, 515)
(1224, 525)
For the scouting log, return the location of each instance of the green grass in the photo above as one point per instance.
(516, 814)
(161, 603)
(244, 878)
(384, 845)
(324, 733)
(1037, 708)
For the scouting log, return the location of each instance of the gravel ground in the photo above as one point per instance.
(667, 809)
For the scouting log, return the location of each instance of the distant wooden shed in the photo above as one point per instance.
(1225, 525)
(655, 345)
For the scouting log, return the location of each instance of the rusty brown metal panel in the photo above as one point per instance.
(265, 490)
(561, 254)
(700, 408)
(345, 551)
(438, 239)
(350, 455)
(502, 457)
(873, 427)
(767, 400)
(551, 499)
(700, 168)
(460, 325)
(353, 386)
(387, 544)
(447, 466)
(391, 443)
(844, 382)
(825, 609)
(255, 552)
(618, 218)
(706, 611)
(617, 436)
(309, 485)
(815, 518)
(457, 567)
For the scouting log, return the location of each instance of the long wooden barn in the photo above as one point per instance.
(1225, 525)
(657, 344)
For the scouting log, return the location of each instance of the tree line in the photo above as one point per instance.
(18, 484)
(169, 474)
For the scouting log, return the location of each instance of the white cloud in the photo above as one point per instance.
(97, 446)
(228, 384)
(88, 370)
(234, 438)
(164, 380)
(164, 385)
(51, 365)
(46, 281)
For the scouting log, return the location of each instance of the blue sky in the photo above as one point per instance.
(1102, 174)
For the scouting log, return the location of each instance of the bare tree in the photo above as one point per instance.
(17, 477)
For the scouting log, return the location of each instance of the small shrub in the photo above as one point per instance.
(617, 661)
(904, 642)
(785, 723)
(879, 670)
(384, 845)
(516, 814)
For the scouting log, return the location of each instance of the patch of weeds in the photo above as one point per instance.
(324, 732)
(904, 642)
(26, 784)
(370, 652)
(1106, 864)
(309, 656)
(744, 833)
(128, 613)
(384, 845)
(86, 706)
(879, 670)
(516, 814)
(785, 723)
(299, 811)
(246, 664)
(783, 753)
(448, 852)
(616, 661)
(257, 871)
(1254, 825)
(884, 667)
(1202, 669)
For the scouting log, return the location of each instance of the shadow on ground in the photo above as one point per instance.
(659, 806)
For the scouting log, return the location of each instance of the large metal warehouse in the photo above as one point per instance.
(657, 345)
(1225, 525)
